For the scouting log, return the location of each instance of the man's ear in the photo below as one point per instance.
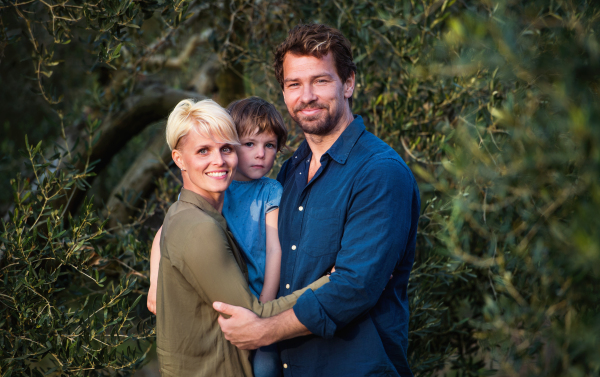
(283, 92)
(349, 85)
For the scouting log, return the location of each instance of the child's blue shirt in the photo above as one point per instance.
(245, 207)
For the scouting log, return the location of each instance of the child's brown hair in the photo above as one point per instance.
(252, 113)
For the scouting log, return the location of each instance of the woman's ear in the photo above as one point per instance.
(178, 158)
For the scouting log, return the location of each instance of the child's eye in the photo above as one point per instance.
(249, 144)
(270, 145)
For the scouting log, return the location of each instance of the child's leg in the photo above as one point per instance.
(266, 362)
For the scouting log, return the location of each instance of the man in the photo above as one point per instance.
(349, 201)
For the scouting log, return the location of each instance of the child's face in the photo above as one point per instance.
(256, 155)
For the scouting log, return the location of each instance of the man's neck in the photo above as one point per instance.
(319, 144)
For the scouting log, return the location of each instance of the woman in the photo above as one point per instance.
(200, 262)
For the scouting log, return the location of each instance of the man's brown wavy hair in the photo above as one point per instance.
(316, 40)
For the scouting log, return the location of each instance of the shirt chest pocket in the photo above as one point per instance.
(322, 232)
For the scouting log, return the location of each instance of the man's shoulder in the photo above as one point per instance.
(374, 152)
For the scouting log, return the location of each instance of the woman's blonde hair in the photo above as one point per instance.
(206, 117)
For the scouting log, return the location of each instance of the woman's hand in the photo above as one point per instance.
(151, 302)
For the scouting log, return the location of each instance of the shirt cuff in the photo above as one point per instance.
(311, 314)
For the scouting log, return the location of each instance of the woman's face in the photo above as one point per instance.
(207, 166)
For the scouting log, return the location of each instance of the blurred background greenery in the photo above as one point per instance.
(492, 103)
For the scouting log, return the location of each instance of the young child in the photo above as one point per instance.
(251, 208)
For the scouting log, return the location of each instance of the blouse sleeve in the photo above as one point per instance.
(208, 264)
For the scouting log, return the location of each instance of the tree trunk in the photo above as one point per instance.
(140, 110)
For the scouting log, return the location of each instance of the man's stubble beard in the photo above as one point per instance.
(314, 126)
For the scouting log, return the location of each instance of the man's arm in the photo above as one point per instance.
(379, 222)
(381, 218)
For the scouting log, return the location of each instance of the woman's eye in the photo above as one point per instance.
(227, 149)
(203, 151)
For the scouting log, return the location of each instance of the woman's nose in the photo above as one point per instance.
(218, 159)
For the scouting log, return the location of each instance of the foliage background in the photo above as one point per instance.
(493, 104)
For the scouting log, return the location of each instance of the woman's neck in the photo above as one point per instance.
(215, 199)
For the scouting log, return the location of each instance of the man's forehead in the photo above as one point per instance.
(295, 64)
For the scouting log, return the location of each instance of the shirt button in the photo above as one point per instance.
(287, 286)
(300, 208)
(285, 366)
(293, 247)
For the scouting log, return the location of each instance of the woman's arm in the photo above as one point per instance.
(154, 263)
(273, 261)
(205, 257)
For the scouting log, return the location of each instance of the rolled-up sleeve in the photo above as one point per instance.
(374, 240)
(205, 259)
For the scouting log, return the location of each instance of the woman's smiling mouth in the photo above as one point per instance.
(217, 174)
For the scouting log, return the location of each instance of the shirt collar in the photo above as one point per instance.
(340, 150)
(198, 201)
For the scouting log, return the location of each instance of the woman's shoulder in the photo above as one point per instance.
(183, 217)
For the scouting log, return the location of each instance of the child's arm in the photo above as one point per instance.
(273, 262)
(154, 263)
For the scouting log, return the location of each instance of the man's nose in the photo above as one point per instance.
(308, 94)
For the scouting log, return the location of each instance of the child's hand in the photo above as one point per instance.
(151, 302)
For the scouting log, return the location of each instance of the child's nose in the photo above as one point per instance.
(260, 152)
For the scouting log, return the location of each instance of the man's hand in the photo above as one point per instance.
(243, 329)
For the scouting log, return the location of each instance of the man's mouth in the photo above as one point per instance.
(217, 174)
(310, 111)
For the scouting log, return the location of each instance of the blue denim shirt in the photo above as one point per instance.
(245, 208)
(359, 212)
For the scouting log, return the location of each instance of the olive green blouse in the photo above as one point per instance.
(200, 263)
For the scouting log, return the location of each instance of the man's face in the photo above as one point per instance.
(315, 95)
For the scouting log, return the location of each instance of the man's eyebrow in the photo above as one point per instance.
(311, 77)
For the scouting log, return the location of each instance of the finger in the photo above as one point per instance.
(224, 308)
